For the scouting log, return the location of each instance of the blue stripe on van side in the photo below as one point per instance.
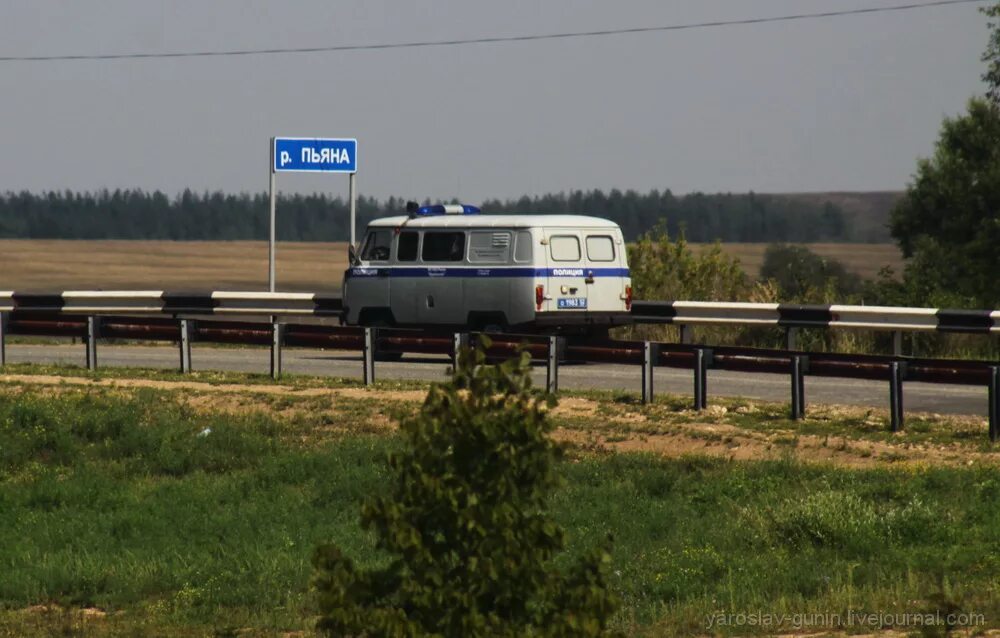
(487, 272)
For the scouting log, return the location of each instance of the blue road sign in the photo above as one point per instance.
(315, 155)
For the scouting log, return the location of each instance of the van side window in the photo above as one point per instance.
(406, 249)
(443, 247)
(489, 247)
(564, 248)
(600, 248)
(377, 245)
(522, 247)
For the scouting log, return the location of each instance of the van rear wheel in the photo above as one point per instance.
(487, 322)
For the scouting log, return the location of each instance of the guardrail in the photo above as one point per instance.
(792, 317)
(686, 314)
(373, 343)
(159, 302)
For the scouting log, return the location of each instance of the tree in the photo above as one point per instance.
(662, 268)
(805, 277)
(992, 54)
(948, 223)
(466, 524)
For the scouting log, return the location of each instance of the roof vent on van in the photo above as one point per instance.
(445, 209)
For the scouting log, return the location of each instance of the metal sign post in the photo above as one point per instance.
(270, 238)
(310, 155)
(353, 196)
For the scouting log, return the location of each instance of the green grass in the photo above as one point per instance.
(188, 523)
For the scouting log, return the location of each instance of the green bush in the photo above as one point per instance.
(805, 277)
(668, 270)
(472, 544)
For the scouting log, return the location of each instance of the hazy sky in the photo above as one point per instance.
(845, 103)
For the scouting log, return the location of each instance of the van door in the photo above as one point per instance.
(405, 278)
(489, 288)
(440, 293)
(567, 287)
(604, 258)
(367, 291)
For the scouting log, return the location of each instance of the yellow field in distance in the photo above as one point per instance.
(55, 265)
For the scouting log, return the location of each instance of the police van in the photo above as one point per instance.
(450, 266)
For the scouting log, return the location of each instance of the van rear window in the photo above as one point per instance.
(443, 247)
(600, 248)
(564, 248)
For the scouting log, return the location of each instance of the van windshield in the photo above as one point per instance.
(377, 245)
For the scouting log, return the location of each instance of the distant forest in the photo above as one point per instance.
(136, 214)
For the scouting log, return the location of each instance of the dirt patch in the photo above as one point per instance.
(88, 613)
(573, 406)
(222, 388)
(215, 388)
(737, 444)
(619, 429)
(391, 395)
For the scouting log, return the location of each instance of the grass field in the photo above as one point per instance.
(242, 265)
(167, 507)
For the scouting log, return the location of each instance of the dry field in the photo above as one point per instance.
(863, 259)
(242, 265)
(168, 265)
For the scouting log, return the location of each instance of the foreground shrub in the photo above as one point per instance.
(466, 525)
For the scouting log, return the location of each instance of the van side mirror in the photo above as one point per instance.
(352, 256)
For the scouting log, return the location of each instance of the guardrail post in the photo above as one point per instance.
(277, 338)
(685, 332)
(369, 356)
(185, 345)
(93, 328)
(702, 360)
(897, 343)
(3, 338)
(650, 354)
(896, 372)
(460, 342)
(994, 403)
(799, 364)
(791, 338)
(552, 374)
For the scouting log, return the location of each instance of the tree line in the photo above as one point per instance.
(138, 214)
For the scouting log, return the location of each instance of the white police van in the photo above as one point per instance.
(449, 266)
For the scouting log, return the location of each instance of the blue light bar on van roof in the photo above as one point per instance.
(448, 209)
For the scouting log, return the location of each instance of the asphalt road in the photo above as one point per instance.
(918, 397)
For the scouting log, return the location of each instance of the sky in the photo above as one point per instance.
(845, 103)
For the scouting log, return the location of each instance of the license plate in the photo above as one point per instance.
(572, 302)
